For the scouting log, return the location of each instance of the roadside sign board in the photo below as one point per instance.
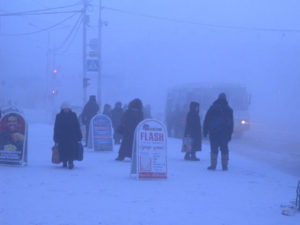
(93, 65)
(13, 139)
(94, 44)
(101, 134)
(149, 154)
(93, 54)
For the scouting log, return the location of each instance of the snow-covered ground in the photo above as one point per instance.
(100, 191)
(275, 146)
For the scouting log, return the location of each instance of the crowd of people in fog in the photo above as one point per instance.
(218, 125)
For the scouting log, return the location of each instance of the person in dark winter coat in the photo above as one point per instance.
(193, 130)
(107, 110)
(67, 134)
(218, 123)
(89, 111)
(116, 115)
(131, 118)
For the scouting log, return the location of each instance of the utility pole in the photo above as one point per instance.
(84, 51)
(99, 80)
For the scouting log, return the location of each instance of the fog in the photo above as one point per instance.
(148, 47)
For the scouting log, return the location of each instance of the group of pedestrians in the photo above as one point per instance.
(67, 132)
(218, 125)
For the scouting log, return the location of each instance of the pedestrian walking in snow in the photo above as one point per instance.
(218, 124)
(89, 111)
(116, 115)
(67, 134)
(193, 131)
(131, 118)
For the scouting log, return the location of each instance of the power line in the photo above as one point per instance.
(42, 30)
(74, 36)
(173, 20)
(71, 40)
(30, 12)
(73, 32)
(40, 13)
(26, 18)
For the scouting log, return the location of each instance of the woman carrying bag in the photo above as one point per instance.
(67, 135)
(192, 133)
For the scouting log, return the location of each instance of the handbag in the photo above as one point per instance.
(55, 155)
(187, 144)
(79, 155)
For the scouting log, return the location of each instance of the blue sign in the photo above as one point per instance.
(102, 135)
(93, 65)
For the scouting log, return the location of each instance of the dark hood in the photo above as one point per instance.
(136, 104)
(194, 107)
(221, 101)
(92, 98)
(118, 105)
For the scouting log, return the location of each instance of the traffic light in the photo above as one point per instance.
(55, 71)
(86, 82)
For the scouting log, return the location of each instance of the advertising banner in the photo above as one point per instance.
(13, 139)
(149, 154)
(101, 134)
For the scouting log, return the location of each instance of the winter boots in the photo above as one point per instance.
(213, 161)
(70, 164)
(119, 158)
(187, 156)
(224, 158)
(191, 156)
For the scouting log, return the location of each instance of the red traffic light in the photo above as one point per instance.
(55, 71)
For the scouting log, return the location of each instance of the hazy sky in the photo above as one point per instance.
(143, 56)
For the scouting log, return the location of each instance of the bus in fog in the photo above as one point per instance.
(179, 98)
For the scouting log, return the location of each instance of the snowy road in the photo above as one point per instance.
(275, 146)
(99, 191)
